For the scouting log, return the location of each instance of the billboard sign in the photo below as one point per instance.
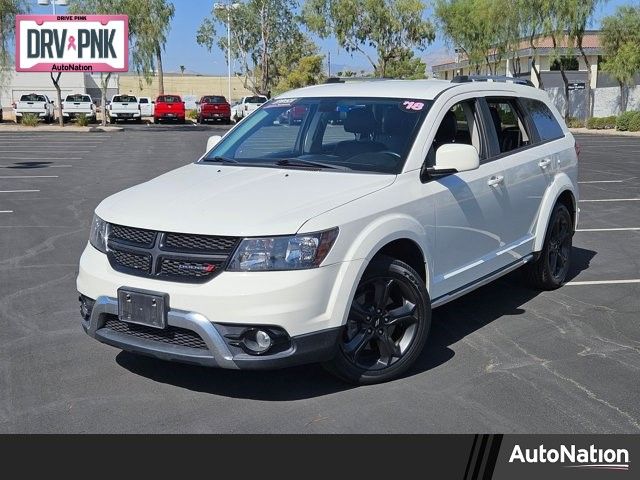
(72, 43)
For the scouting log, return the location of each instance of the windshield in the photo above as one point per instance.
(78, 98)
(348, 134)
(124, 99)
(32, 97)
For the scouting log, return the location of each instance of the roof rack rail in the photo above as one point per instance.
(491, 78)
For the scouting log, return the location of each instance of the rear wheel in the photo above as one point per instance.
(387, 325)
(156, 120)
(550, 270)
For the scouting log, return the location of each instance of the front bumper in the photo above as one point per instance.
(215, 352)
(309, 305)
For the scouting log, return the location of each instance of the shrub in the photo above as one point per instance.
(30, 119)
(192, 114)
(82, 120)
(623, 122)
(573, 122)
(634, 124)
(601, 123)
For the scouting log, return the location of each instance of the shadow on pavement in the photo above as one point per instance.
(450, 323)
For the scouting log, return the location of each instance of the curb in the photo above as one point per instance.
(57, 129)
(606, 132)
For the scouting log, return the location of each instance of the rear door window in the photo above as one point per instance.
(124, 99)
(144, 100)
(509, 124)
(545, 122)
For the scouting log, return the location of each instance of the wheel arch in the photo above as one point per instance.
(561, 190)
(399, 236)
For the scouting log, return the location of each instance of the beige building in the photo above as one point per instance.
(187, 85)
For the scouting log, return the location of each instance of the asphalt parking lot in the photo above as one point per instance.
(502, 359)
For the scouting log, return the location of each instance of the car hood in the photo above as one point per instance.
(236, 201)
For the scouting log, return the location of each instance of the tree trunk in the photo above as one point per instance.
(56, 83)
(104, 84)
(160, 71)
(533, 63)
(623, 101)
(588, 90)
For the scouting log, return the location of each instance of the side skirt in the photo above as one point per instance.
(438, 302)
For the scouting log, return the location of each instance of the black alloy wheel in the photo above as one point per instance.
(550, 270)
(387, 324)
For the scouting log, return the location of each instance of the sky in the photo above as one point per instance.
(182, 49)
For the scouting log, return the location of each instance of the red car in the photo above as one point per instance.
(169, 107)
(214, 107)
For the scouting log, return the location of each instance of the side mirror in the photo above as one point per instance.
(455, 158)
(213, 141)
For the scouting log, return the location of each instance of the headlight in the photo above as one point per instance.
(99, 234)
(295, 252)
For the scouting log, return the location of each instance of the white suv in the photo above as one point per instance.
(331, 240)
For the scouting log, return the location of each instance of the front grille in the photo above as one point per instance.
(170, 335)
(136, 236)
(199, 243)
(181, 268)
(179, 257)
(134, 261)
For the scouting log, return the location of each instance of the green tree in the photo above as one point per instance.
(388, 27)
(149, 22)
(621, 42)
(482, 29)
(153, 22)
(405, 65)
(307, 71)
(580, 15)
(8, 11)
(259, 29)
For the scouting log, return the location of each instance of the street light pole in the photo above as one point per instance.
(53, 3)
(229, 51)
(228, 7)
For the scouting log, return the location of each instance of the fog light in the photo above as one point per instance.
(86, 307)
(257, 341)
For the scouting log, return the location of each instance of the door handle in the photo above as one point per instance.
(495, 180)
(544, 163)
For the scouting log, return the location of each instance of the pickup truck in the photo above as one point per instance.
(214, 107)
(124, 107)
(36, 104)
(169, 107)
(246, 106)
(77, 104)
(146, 106)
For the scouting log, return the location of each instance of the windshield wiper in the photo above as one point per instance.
(298, 162)
(219, 159)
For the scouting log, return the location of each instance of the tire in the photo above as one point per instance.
(549, 271)
(227, 121)
(156, 120)
(375, 347)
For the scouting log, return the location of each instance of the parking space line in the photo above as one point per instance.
(29, 176)
(604, 282)
(18, 191)
(632, 229)
(603, 181)
(612, 200)
(39, 158)
(6, 211)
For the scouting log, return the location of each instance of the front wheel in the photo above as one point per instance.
(551, 268)
(387, 325)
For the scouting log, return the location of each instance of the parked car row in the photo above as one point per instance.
(125, 107)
